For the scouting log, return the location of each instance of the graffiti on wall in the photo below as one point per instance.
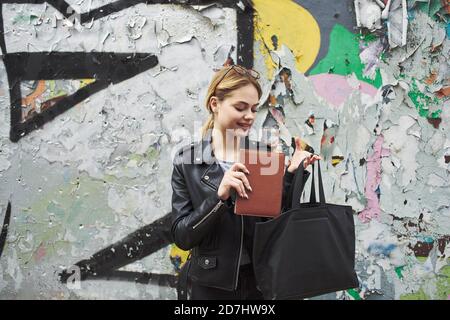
(94, 70)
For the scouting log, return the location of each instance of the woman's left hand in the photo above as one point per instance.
(299, 155)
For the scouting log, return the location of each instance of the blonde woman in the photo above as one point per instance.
(206, 179)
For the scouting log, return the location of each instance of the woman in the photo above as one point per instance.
(206, 179)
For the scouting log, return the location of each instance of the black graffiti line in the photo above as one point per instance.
(119, 5)
(160, 279)
(111, 66)
(104, 67)
(20, 129)
(4, 232)
(136, 246)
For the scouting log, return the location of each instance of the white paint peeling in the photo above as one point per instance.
(373, 282)
(13, 269)
(91, 38)
(404, 147)
(368, 14)
(135, 24)
(370, 58)
(241, 5)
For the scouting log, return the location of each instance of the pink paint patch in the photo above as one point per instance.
(335, 89)
(372, 209)
(40, 253)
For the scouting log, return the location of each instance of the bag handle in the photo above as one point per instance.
(294, 189)
(312, 197)
(298, 186)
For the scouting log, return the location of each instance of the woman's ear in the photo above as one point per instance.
(213, 103)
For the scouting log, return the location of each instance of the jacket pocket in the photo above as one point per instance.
(207, 262)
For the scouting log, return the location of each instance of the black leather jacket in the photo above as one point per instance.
(206, 224)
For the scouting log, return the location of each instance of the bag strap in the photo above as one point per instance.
(291, 192)
(298, 186)
(312, 197)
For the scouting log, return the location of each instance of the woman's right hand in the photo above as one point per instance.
(234, 179)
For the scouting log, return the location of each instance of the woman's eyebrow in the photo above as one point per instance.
(247, 103)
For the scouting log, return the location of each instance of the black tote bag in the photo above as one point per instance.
(308, 250)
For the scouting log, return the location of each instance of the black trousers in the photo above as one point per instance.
(246, 289)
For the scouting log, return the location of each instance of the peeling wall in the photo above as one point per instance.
(95, 98)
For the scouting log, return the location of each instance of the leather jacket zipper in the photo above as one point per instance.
(240, 253)
(216, 207)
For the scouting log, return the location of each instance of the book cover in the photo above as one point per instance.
(266, 179)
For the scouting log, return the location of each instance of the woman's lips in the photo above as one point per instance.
(246, 126)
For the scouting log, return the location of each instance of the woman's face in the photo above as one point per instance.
(236, 113)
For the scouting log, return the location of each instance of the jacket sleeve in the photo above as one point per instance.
(190, 225)
(287, 183)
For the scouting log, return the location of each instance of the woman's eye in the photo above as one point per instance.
(241, 109)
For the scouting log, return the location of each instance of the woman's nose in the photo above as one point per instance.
(249, 115)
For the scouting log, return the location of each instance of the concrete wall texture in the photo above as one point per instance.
(97, 95)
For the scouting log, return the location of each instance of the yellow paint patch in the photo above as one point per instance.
(85, 82)
(178, 256)
(335, 160)
(292, 25)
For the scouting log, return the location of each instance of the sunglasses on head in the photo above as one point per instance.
(241, 70)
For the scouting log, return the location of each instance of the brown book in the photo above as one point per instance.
(266, 180)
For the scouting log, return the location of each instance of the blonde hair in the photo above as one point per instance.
(222, 87)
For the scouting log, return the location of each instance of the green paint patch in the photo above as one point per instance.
(399, 271)
(152, 154)
(419, 295)
(343, 57)
(61, 219)
(136, 158)
(443, 283)
(436, 114)
(149, 157)
(354, 294)
(423, 102)
(22, 18)
(367, 38)
(54, 93)
(54, 208)
(421, 259)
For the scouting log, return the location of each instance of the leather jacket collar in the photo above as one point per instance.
(204, 154)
